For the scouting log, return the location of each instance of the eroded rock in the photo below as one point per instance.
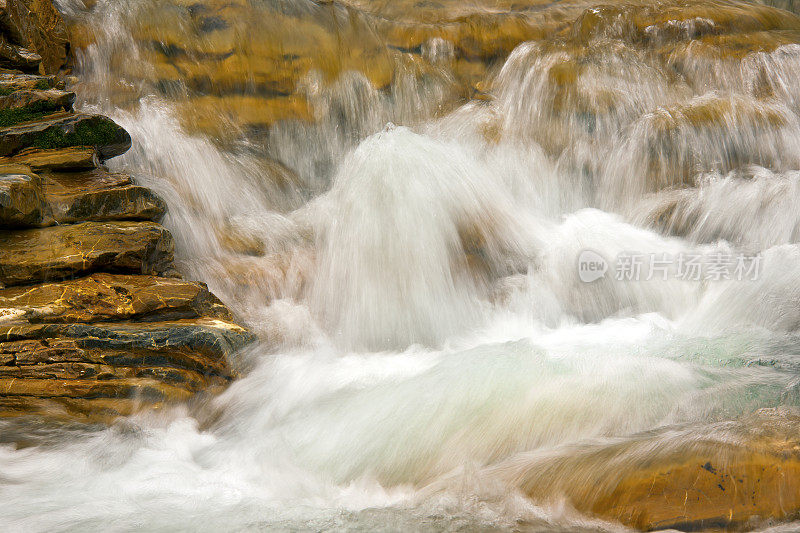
(37, 25)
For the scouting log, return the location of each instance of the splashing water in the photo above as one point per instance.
(426, 338)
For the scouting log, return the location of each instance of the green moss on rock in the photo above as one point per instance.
(99, 133)
(9, 117)
(63, 131)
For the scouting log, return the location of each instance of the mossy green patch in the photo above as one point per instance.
(43, 85)
(10, 117)
(87, 133)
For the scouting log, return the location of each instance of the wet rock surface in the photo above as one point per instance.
(64, 130)
(60, 252)
(94, 320)
(736, 477)
(98, 330)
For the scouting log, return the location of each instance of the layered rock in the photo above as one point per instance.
(107, 345)
(212, 56)
(94, 322)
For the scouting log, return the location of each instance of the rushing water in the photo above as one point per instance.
(412, 271)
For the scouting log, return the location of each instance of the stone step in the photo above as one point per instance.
(72, 158)
(62, 130)
(57, 410)
(29, 200)
(15, 81)
(99, 196)
(211, 338)
(40, 99)
(45, 367)
(105, 297)
(60, 252)
(29, 105)
(52, 350)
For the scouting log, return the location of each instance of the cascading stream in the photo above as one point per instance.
(430, 353)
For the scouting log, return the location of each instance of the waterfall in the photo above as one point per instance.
(594, 249)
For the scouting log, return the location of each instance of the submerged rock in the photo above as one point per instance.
(734, 477)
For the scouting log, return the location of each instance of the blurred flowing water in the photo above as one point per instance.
(408, 257)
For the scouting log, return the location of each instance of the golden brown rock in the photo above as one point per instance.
(111, 297)
(103, 370)
(21, 199)
(72, 158)
(99, 196)
(37, 25)
(732, 479)
(35, 255)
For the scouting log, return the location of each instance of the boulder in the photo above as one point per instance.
(59, 252)
(65, 130)
(99, 196)
(21, 200)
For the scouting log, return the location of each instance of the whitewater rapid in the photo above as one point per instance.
(420, 310)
